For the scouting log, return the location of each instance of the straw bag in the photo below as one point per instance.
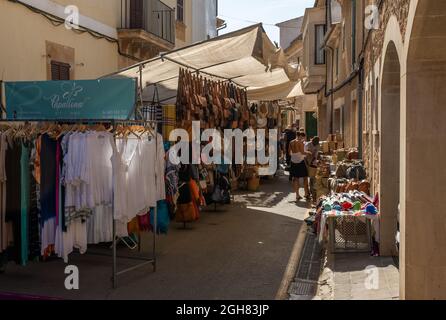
(312, 171)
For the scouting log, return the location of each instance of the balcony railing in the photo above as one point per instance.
(152, 16)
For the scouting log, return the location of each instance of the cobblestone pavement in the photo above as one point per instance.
(349, 276)
(358, 277)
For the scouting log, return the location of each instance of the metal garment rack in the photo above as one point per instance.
(145, 261)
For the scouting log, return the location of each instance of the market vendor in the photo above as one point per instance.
(314, 148)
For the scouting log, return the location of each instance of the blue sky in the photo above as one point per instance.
(242, 13)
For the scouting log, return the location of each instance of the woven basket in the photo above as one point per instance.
(253, 184)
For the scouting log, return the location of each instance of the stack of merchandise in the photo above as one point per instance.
(335, 142)
(322, 179)
(352, 204)
(345, 154)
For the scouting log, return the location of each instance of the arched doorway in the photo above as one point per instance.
(424, 228)
(390, 150)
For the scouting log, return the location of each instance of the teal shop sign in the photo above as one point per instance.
(71, 100)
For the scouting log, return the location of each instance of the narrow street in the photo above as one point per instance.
(239, 252)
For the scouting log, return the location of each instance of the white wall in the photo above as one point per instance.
(289, 31)
(204, 19)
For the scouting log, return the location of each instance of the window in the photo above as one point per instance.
(60, 71)
(319, 41)
(136, 14)
(337, 62)
(180, 10)
(353, 2)
(343, 36)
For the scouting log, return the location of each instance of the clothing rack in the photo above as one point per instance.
(113, 122)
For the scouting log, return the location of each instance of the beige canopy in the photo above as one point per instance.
(246, 57)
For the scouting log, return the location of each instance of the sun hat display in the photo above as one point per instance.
(371, 209)
(263, 110)
(337, 207)
(262, 122)
(254, 108)
(357, 206)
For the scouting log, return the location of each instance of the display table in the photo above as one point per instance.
(347, 232)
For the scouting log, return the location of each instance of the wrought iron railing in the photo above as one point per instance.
(153, 16)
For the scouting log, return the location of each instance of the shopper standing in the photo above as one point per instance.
(290, 134)
(298, 169)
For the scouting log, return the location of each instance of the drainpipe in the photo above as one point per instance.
(360, 107)
(330, 92)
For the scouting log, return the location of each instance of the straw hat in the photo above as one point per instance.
(262, 122)
(263, 110)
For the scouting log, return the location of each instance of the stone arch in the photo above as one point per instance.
(423, 256)
(389, 148)
(389, 110)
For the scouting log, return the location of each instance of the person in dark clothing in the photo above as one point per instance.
(290, 134)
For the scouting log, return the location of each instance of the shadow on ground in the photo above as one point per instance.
(239, 252)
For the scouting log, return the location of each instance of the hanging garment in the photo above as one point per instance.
(138, 176)
(34, 210)
(162, 217)
(169, 120)
(48, 170)
(3, 226)
(25, 181)
(144, 223)
(171, 179)
(75, 238)
(88, 191)
(13, 197)
(100, 225)
(48, 177)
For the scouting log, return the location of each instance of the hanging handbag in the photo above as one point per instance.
(217, 195)
(185, 213)
(202, 96)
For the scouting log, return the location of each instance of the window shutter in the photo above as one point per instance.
(60, 71)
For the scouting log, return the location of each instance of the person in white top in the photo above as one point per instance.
(299, 169)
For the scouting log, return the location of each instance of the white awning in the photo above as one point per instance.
(246, 57)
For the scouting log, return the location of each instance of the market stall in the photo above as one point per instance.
(70, 146)
(227, 82)
(346, 216)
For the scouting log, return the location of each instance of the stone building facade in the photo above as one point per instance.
(400, 79)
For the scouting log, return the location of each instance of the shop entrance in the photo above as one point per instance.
(310, 124)
(390, 151)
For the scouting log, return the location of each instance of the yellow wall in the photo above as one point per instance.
(105, 11)
(23, 36)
